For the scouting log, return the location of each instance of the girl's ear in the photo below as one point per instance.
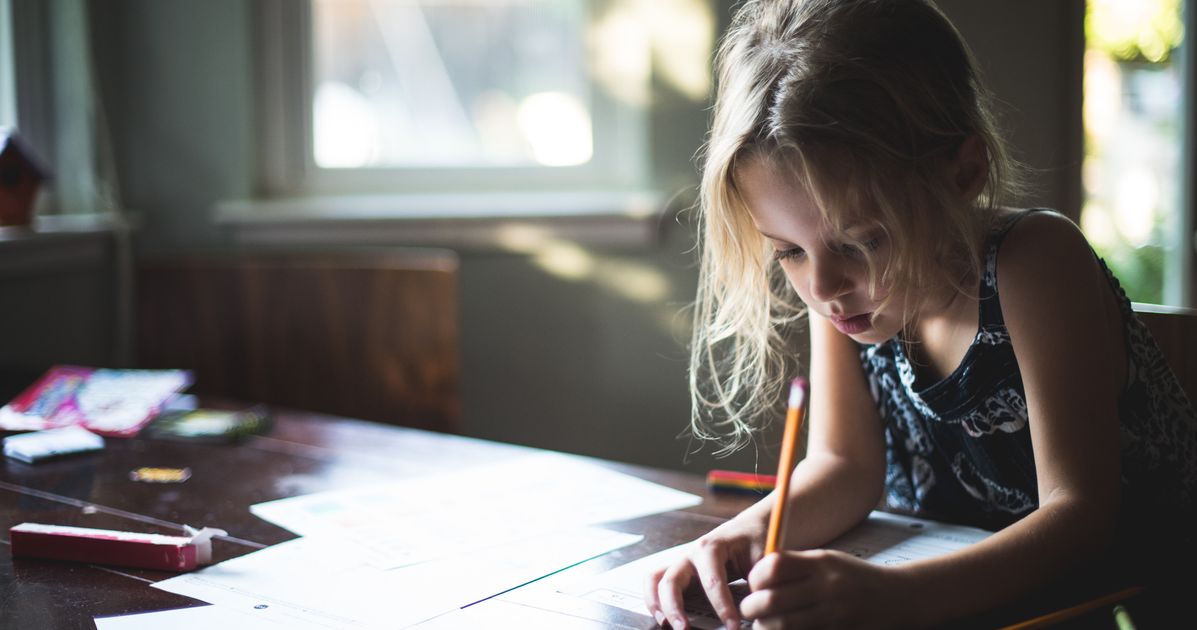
(971, 167)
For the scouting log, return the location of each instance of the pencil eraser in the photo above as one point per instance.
(105, 546)
(798, 389)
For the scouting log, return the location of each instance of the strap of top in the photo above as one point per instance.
(990, 304)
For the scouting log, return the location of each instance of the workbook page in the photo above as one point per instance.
(886, 539)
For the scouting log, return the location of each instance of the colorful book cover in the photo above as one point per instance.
(110, 402)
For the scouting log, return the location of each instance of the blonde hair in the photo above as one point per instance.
(866, 103)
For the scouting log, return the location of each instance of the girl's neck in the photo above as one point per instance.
(946, 324)
(937, 343)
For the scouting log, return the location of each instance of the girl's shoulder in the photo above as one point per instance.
(1027, 237)
(1005, 223)
(1043, 259)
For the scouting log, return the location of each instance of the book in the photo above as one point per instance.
(110, 402)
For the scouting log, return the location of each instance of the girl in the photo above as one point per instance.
(968, 361)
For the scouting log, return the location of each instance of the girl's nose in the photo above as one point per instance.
(827, 280)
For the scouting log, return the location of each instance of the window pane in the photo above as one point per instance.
(8, 81)
(450, 83)
(1133, 112)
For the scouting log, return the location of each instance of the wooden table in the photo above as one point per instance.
(303, 453)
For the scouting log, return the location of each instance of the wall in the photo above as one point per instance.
(571, 365)
(58, 306)
(1031, 54)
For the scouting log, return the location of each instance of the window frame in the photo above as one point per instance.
(1180, 262)
(54, 99)
(8, 82)
(286, 165)
(1186, 271)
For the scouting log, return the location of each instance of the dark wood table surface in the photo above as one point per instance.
(301, 454)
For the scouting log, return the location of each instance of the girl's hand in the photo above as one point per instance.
(722, 556)
(824, 589)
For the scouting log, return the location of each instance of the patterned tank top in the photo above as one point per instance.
(960, 449)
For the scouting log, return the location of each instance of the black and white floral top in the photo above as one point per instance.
(960, 449)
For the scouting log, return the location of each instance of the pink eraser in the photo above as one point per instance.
(104, 546)
(798, 389)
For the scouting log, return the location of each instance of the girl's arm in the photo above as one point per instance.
(843, 474)
(833, 487)
(1066, 331)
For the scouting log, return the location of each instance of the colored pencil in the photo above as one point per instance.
(1075, 611)
(785, 467)
(733, 481)
(1123, 618)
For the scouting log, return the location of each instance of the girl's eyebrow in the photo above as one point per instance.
(776, 238)
(857, 228)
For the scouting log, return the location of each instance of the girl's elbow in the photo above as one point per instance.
(871, 476)
(1092, 517)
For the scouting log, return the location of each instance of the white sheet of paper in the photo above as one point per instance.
(882, 539)
(207, 618)
(333, 585)
(501, 615)
(891, 539)
(416, 520)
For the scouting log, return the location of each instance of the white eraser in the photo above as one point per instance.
(38, 445)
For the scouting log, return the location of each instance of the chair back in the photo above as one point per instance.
(1175, 330)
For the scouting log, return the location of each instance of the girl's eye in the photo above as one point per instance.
(792, 253)
(857, 251)
(851, 251)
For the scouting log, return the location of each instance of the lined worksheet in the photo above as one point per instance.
(885, 539)
(890, 539)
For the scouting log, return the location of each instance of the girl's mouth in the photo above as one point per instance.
(852, 325)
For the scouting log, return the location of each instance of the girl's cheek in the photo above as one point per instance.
(796, 283)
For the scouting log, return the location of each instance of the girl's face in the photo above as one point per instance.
(827, 270)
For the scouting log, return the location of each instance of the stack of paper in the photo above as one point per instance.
(416, 520)
(395, 555)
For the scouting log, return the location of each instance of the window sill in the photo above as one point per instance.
(450, 220)
(55, 243)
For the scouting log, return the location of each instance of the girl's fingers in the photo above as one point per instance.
(785, 566)
(712, 576)
(785, 600)
(670, 593)
(651, 600)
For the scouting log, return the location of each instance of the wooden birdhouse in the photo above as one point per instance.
(21, 173)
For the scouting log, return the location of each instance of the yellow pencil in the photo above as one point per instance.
(1074, 611)
(785, 467)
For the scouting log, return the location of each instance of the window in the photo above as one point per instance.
(8, 84)
(1134, 111)
(425, 97)
(47, 93)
